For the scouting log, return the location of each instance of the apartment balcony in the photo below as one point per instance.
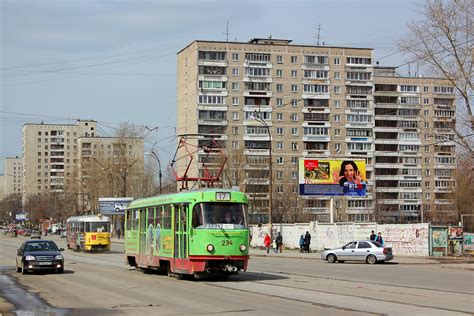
(315, 95)
(217, 122)
(256, 166)
(258, 63)
(308, 109)
(205, 77)
(359, 67)
(260, 181)
(316, 210)
(367, 83)
(316, 153)
(254, 137)
(444, 189)
(258, 93)
(310, 66)
(359, 124)
(316, 138)
(444, 95)
(388, 201)
(217, 63)
(257, 152)
(258, 108)
(362, 140)
(321, 81)
(212, 107)
(213, 91)
(315, 123)
(258, 79)
(58, 154)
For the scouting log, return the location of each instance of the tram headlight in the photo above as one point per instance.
(243, 248)
(210, 247)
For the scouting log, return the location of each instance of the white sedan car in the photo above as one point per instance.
(362, 250)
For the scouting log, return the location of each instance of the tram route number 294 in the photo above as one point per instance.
(226, 242)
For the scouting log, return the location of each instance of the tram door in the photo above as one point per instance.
(180, 242)
(142, 232)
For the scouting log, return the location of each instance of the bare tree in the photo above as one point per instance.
(442, 42)
(464, 193)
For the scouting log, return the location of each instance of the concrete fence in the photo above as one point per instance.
(405, 239)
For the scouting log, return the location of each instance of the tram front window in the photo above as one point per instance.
(99, 227)
(219, 215)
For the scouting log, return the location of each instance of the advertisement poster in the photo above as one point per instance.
(455, 233)
(332, 177)
(114, 206)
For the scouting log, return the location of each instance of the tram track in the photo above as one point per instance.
(339, 301)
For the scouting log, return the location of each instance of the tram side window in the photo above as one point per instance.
(197, 216)
(167, 216)
(132, 219)
(81, 227)
(158, 214)
(151, 216)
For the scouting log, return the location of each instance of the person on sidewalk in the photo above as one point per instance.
(274, 246)
(379, 238)
(307, 241)
(267, 242)
(301, 243)
(279, 242)
(372, 236)
(119, 232)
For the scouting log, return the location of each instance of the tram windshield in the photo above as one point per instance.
(220, 215)
(98, 227)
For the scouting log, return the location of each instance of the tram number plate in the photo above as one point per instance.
(226, 242)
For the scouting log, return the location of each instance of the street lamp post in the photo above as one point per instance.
(155, 156)
(259, 119)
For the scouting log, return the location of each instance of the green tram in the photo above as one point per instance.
(200, 233)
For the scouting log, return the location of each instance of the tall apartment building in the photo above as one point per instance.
(318, 102)
(50, 153)
(415, 157)
(13, 175)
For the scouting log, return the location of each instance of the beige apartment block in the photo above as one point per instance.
(50, 154)
(110, 167)
(2, 187)
(316, 102)
(13, 175)
(415, 149)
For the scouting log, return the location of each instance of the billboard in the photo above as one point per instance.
(114, 206)
(332, 177)
(21, 216)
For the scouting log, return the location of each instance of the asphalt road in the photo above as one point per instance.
(100, 284)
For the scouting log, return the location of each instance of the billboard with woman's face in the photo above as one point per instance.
(326, 177)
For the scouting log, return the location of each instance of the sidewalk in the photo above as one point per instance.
(458, 263)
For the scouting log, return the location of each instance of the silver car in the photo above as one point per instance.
(362, 250)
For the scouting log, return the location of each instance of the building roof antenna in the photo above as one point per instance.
(227, 33)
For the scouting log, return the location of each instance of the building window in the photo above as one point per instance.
(337, 118)
(426, 101)
(279, 174)
(337, 90)
(279, 59)
(427, 172)
(426, 112)
(279, 87)
(337, 61)
(280, 145)
(294, 146)
(337, 132)
(235, 86)
(428, 196)
(235, 116)
(294, 175)
(279, 102)
(235, 130)
(294, 117)
(279, 117)
(294, 160)
(426, 89)
(235, 71)
(279, 73)
(294, 88)
(337, 104)
(235, 100)
(294, 103)
(39, 133)
(294, 59)
(294, 131)
(279, 130)
(235, 56)
(427, 125)
(279, 160)
(337, 147)
(280, 189)
(235, 144)
(337, 75)
(294, 73)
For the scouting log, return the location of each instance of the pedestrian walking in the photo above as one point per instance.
(379, 238)
(372, 236)
(267, 242)
(279, 242)
(274, 246)
(307, 241)
(301, 243)
(119, 232)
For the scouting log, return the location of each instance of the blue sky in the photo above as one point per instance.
(115, 61)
